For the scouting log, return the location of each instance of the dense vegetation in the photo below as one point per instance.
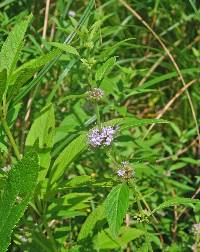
(99, 125)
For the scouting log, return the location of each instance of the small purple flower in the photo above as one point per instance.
(103, 137)
(121, 173)
(125, 170)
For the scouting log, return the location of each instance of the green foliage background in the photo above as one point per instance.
(58, 193)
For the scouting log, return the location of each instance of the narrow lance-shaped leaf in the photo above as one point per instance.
(43, 131)
(65, 48)
(71, 151)
(26, 71)
(129, 122)
(176, 201)
(11, 48)
(17, 192)
(116, 205)
(105, 242)
(87, 227)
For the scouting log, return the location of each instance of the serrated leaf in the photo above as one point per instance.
(11, 48)
(116, 205)
(64, 47)
(176, 201)
(105, 69)
(71, 151)
(87, 227)
(3, 79)
(17, 192)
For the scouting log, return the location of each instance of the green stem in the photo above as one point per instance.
(145, 227)
(98, 116)
(11, 139)
(147, 238)
(141, 212)
(109, 155)
(146, 204)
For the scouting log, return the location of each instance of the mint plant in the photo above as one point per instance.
(81, 171)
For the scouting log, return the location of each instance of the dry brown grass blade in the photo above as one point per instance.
(135, 14)
(46, 19)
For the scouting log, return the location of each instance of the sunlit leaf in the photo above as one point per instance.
(116, 205)
(17, 192)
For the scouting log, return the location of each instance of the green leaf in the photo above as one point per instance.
(3, 79)
(176, 201)
(22, 74)
(78, 181)
(17, 192)
(181, 185)
(105, 69)
(97, 215)
(116, 205)
(43, 131)
(6, 2)
(72, 97)
(11, 48)
(71, 151)
(164, 77)
(70, 205)
(64, 47)
(105, 241)
(129, 122)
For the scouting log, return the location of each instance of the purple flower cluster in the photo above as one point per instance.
(103, 137)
